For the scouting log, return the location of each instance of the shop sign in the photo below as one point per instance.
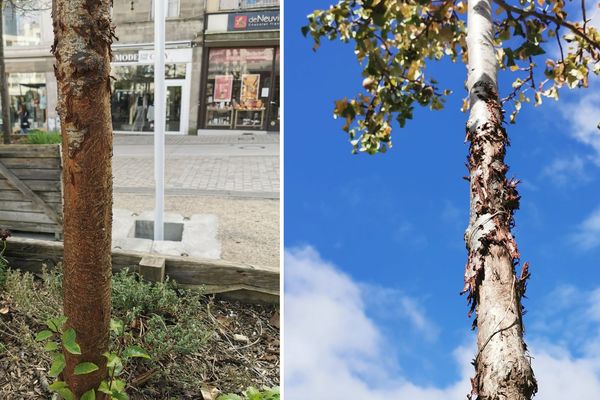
(253, 21)
(131, 57)
(171, 56)
(147, 56)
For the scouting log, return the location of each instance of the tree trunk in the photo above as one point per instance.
(503, 367)
(4, 98)
(82, 38)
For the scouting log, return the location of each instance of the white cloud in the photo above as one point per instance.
(335, 351)
(587, 235)
(583, 116)
(567, 170)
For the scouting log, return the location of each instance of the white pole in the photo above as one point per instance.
(159, 117)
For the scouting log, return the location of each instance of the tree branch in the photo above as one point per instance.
(546, 17)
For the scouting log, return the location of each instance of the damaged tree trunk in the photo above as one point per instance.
(83, 35)
(4, 98)
(503, 367)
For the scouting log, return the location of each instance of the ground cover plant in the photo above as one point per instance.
(199, 347)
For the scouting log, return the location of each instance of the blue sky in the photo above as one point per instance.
(390, 226)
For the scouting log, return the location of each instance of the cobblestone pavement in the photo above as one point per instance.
(121, 139)
(227, 165)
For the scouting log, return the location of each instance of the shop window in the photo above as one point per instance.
(238, 88)
(132, 102)
(172, 10)
(28, 89)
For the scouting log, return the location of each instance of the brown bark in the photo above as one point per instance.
(4, 98)
(503, 367)
(83, 35)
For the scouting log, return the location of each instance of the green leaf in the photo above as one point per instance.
(58, 364)
(89, 395)
(68, 339)
(104, 387)
(116, 326)
(51, 346)
(114, 364)
(118, 385)
(56, 324)
(66, 394)
(43, 335)
(119, 395)
(135, 351)
(57, 385)
(85, 368)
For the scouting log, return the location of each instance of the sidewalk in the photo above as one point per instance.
(234, 166)
(235, 178)
(122, 139)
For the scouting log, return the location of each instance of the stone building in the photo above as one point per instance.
(235, 53)
(241, 66)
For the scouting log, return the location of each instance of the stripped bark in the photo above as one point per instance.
(83, 35)
(4, 98)
(503, 367)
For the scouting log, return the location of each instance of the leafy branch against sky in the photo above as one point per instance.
(394, 41)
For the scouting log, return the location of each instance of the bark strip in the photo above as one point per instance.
(503, 367)
(83, 35)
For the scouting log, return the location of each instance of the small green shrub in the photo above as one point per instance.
(134, 297)
(254, 394)
(40, 137)
(170, 314)
(39, 304)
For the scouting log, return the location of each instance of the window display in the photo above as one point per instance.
(238, 87)
(29, 90)
(132, 102)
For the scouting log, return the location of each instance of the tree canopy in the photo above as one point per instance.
(395, 40)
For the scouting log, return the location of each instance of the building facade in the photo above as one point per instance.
(221, 67)
(241, 66)
(27, 40)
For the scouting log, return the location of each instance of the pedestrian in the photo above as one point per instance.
(24, 119)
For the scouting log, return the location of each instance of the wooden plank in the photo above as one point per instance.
(35, 162)
(187, 270)
(184, 270)
(35, 185)
(36, 173)
(26, 190)
(15, 195)
(31, 226)
(29, 150)
(26, 206)
(37, 217)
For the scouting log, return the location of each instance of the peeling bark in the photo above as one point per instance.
(4, 98)
(83, 35)
(503, 367)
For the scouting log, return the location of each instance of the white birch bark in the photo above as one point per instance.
(503, 367)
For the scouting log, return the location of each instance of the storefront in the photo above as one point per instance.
(242, 88)
(132, 102)
(28, 90)
(241, 72)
